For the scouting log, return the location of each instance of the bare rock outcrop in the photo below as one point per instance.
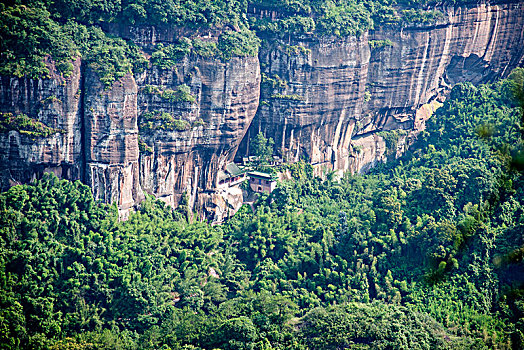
(55, 102)
(111, 140)
(326, 99)
(187, 160)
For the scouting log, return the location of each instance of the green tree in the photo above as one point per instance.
(262, 148)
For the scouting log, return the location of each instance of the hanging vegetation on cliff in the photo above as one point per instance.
(427, 247)
(35, 35)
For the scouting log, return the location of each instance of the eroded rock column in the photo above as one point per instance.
(111, 140)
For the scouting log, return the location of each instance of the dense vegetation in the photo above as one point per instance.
(35, 33)
(25, 125)
(30, 37)
(425, 252)
(340, 17)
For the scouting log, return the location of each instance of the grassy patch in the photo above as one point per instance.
(25, 125)
(157, 120)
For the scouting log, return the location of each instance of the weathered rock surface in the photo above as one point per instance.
(187, 161)
(223, 203)
(57, 103)
(328, 100)
(336, 94)
(99, 144)
(111, 140)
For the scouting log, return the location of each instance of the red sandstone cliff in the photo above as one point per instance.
(335, 94)
(57, 103)
(329, 101)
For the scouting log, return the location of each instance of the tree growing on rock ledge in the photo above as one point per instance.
(262, 148)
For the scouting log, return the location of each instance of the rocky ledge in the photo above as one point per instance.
(341, 103)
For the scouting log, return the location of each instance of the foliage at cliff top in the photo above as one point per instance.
(423, 253)
(35, 33)
(27, 36)
(339, 17)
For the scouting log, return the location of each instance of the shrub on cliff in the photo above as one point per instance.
(205, 48)
(157, 120)
(243, 43)
(181, 94)
(167, 56)
(25, 125)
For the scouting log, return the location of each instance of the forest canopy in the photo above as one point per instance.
(425, 252)
(34, 33)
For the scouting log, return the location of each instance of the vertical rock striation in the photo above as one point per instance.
(187, 161)
(326, 99)
(56, 102)
(341, 103)
(111, 140)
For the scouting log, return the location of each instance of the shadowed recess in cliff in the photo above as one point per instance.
(352, 88)
(169, 109)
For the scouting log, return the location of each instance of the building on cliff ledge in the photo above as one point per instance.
(261, 182)
(232, 175)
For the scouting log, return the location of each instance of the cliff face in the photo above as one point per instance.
(111, 140)
(100, 139)
(57, 103)
(325, 99)
(186, 161)
(343, 104)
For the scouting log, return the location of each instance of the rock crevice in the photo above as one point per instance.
(349, 89)
(328, 100)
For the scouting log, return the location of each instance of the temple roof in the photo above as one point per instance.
(260, 175)
(233, 169)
